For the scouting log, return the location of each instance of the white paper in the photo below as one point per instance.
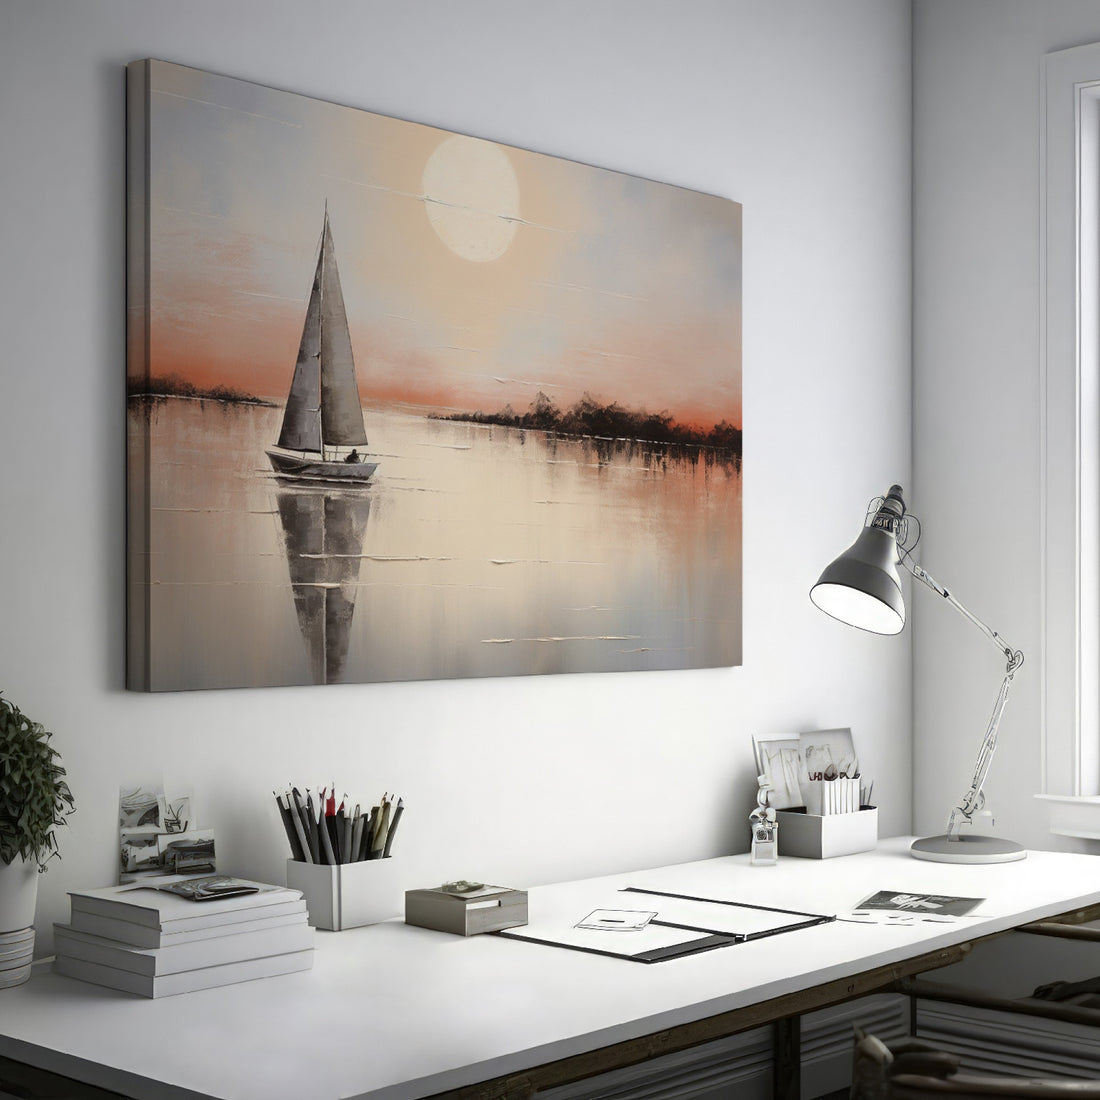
(617, 920)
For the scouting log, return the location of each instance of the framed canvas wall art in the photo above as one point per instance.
(406, 404)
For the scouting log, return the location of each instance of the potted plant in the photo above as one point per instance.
(34, 800)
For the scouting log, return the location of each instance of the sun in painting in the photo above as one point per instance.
(471, 195)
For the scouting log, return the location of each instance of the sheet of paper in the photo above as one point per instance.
(617, 920)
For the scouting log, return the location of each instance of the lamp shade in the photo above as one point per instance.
(862, 587)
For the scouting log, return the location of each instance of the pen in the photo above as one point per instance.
(371, 831)
(393, 826)
(378, 842)
(326, 833)
(334, 822)
(316, 827)
(289, 829)
(346, 849)
(339, 842)
(293, 829)
(305, 812)
(356, 834)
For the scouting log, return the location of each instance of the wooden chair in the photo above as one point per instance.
(916, 1071)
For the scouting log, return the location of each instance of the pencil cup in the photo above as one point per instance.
(820, 836)
(349, 895)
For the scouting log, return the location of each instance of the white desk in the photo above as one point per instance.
(393, 1011)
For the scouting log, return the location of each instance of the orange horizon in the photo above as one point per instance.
(399, 375)
(441, 399)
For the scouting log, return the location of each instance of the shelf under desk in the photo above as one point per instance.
(393, 1012)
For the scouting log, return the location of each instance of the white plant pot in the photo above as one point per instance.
(18, 894)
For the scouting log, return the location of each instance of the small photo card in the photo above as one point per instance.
(779, 760)
(939, 905)
(896, 907)
(828, 754)
(187, 853)
(138, 849)
(139, 807)
(176, 814)
(617, 920)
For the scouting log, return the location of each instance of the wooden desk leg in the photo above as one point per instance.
(787, 1058)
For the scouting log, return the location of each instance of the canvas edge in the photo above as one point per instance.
(137, 365)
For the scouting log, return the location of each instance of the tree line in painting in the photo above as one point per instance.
(589, 417)
(175, 386)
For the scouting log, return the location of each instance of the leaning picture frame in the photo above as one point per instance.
(822, 749)
(779, 759)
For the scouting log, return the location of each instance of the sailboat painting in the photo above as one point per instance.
(323, 420)
(404, 404)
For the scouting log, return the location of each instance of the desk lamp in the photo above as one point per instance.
(862, 588)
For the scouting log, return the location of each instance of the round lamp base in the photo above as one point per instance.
(967, 849)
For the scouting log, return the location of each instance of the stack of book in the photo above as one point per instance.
(144, 939)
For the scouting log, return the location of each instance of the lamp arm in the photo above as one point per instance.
(1013, 656)
(974, 798)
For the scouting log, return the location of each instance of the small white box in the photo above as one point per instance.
(821, 837)
(348, 895)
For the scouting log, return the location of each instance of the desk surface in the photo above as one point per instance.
(393, 1012)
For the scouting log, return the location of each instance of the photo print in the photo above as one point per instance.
(828, 754)
(780, 761)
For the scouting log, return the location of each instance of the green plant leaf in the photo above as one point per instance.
(34, 797)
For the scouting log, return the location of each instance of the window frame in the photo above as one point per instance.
(1070, 422)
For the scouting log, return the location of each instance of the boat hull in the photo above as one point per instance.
(295, 468)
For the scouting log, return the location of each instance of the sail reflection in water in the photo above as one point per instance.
(323, 533)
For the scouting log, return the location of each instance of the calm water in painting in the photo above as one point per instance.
(476, 551)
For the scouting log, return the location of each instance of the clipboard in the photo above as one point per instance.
(685, 925)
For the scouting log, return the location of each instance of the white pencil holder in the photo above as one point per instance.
(821, 836)
(349, 895)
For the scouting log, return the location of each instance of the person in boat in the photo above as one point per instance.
(353, 457)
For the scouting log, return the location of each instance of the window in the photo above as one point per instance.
(1070, 396)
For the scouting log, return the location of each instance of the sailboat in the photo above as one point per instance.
(323, 423)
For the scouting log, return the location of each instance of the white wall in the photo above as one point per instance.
(976, 411)
(799, 110)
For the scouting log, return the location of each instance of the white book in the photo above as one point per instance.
(185, 956)
(168, 985)
(140, 935)
(144, 903)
